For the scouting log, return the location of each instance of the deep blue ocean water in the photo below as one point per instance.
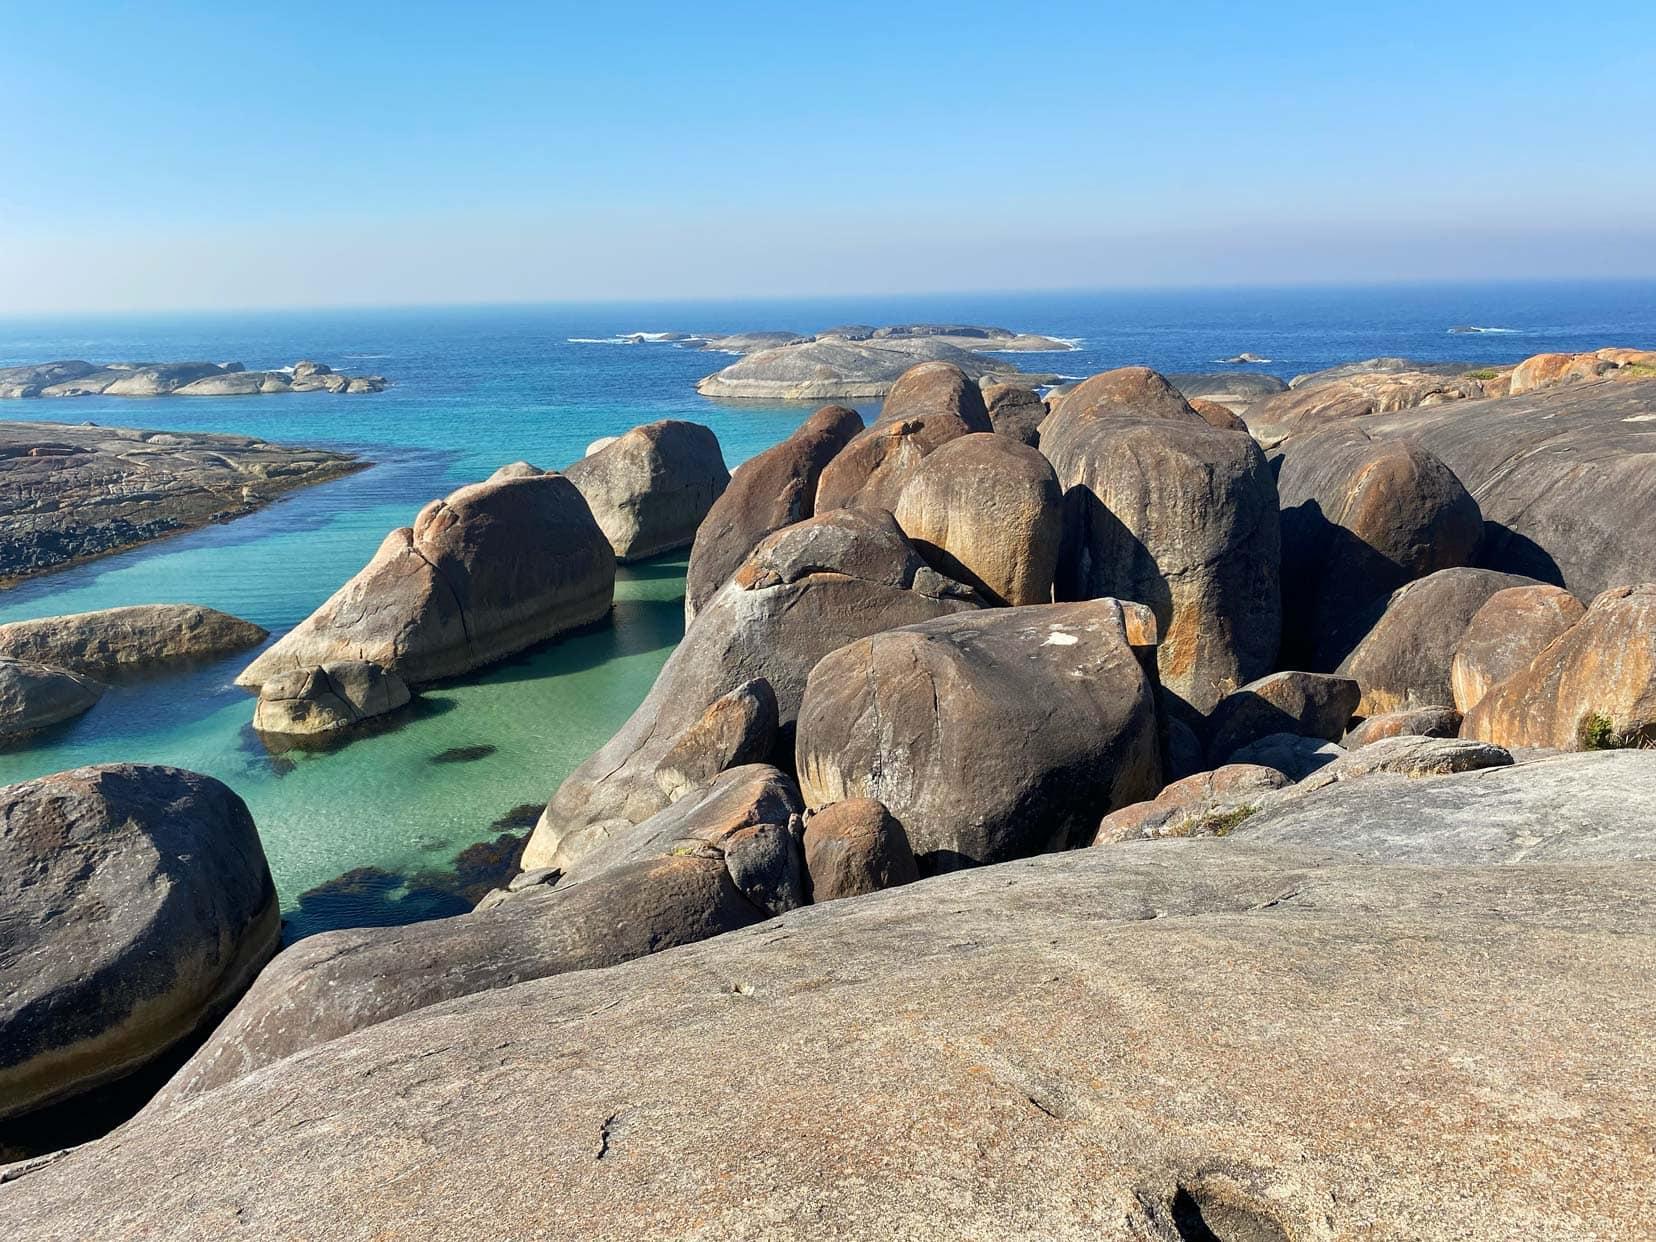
(475, 388)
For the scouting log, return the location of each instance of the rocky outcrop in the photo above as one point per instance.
(1380, 367)
(34, 696)
(1222, 1020)
(1562, 476)
(855, 847)
(1409, 643)
(805, 591)
(737, 728)
(837, 369)
(722, 858)
(1361, 517)
(137, 906)
(650, 489)
(1550, 370)
(1510, 630)
(1411, 722)
(491, 569)
(1593, 687)
(1015, 412)
(1164, 509)
(1237, 391)
(988, 736)
(929, 405)
(138, 638)
(68, 494)
(1310, 704)
(161, 379)
(326, 699)
(1563, 809)
(1295, 756)
(1309, 406)
(1130, 391)
(775, 489)
(1206, 804)
(986, 511)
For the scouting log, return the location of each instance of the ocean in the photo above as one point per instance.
(475, 388)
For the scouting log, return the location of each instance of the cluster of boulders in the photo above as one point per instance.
(1336, 728)
(182, 379)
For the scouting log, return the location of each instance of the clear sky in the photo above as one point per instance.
(162, 155)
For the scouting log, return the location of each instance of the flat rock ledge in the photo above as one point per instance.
(1184, 1039)
(74, 378)
(69, 493)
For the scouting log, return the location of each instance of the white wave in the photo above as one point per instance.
(1471, 328)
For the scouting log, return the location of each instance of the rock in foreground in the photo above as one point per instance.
(137, 904)
(69, 493)
(1164, 1041)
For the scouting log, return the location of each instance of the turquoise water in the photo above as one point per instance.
(474, 389)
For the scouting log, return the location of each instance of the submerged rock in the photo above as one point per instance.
(493, 568)
(137, 906)
(650, 489)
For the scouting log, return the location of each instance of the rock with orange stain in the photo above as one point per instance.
(1509, 631)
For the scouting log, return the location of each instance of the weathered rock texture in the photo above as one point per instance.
(989, 736)
(1172, 1040)
(1411, 722)
(834, 367)
(805, 591)
(1593, 686)
(1550, 370)
(1563, 477)
(1310, 704)
(33, 696)
(775, 489)
(737, 728)
(1164, 509)
(650, 489)
(1015, 412)
(722, 858)
(1361, 517)
(1510, 630)
(327, 698)
(68, 494)
(986, 511)
(928, 406)
(1204, 804)
(856, 847)
(1136, 391)
(138, 638)
(491, 569)
(1309, 406)
(1404, 657)
(137, 905)
(161, 379)
(1237, 391)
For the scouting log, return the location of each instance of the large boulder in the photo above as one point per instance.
(135, 639)
(737, 728)
(1549, 370)
(137, 906)
(1510, 630)
(1409, 639)
(720, 859)
(1361, 517)
(775, 489)
(1173, 513)
(33, 696)
(1310, 704)
(650, 489)
(1135, 391)
(1204, 804)
(988, 736)
(928, 406)
(1015, 412)
(1183, 1039)
(806, 590)
(1562, 475)
(1410, 722)
(986, 511)
(1592, 687)
(856, 847)
(1598, 808)
(326, 699)
(495, 567)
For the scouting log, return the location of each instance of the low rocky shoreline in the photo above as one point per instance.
(69, 493)
(175, 379)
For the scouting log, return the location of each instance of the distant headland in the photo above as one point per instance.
(75, 378)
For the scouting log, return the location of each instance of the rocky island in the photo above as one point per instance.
(175, 379)
(69, 493)
(856, 362)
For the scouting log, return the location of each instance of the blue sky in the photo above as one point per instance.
(187, 155)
